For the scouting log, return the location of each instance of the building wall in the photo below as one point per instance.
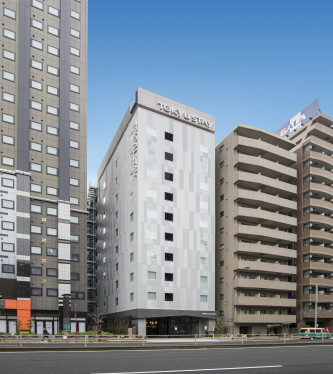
(255, 231)
(133, 272)
(44, 58)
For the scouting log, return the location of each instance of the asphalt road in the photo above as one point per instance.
(245, 360)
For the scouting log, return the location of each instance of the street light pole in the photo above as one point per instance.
(233, 298)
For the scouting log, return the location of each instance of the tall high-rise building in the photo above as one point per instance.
(156, 219)
(255, 232)
(314, 151)
(43, 164)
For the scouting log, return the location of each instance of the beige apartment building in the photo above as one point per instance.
(256, 232)
(314, 150)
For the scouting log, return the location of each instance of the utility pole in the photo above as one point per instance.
(316, 306)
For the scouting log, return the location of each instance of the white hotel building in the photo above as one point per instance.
(156, 219)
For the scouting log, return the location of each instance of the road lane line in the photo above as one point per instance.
(195, 370)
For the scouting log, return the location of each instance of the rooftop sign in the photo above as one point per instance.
(300, 119)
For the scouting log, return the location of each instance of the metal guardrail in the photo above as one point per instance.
(158, 339)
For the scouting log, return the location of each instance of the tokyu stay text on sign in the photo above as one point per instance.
(185, 115)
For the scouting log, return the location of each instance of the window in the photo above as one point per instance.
(74, 88)
(75, 15)
(7, 204)
(52, 90)
(151, 295)
(132, 257)
(117, 301)
(203, 223)
(168, 216)
(52, 272)
(131, 277)
(75, 33)
(35, 147)
(203, 280)
(6, 225)
(151, 172)
(221, 247)
(168, 136)
(53, 30)
(151, 131)
(36, 229)
(8, 118)
(36, 250)
(151, 255)
(36, 270)
(151, 151)
(74, 163)
(221, 147)
(8, 268)
(7, 161)
(74, 144)
(203, 148)
(168, 176)
(203, 242)
(6, 182)
(8, 76)
(203, 204)
(51, 211)
(52, 70)
(168, 156)
(9, 34)
(74, 70)
(52, 150)
(36, 291)
(35, 167)
(52, 191)
(151, 193)
(203, 261)
(7, 139)
(7, 247)
(151, 234)
(74, 238)
(54, 11)
(132, 217)
(37, 24)
(131, 236)
(222, 214)
(9, 13)
(35, 105)
(168, 236)
(52, 50)
(36, 65)
(222, 230)
(203, 299)
(74, 200)
(221, 197)
(35, 126)
(204, 186)
(221, 164)
(168, 257)
(131, 296)
(74, 182)
(222, 280)
(168, 277)
(37, 4)
(8, 97)
(74, 125)
(152, 275)
(75, 51)
(168, 296)
(74, 219)
(9, 55)
(75, 257)
(52, 292)
(35, 188)
(74, 107)
(36, 44)
(51, 251)
(221, 181)
(75, 276)
(151, 213)
(51, 231)
(52, 110)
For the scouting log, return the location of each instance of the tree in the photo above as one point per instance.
(96, 319)
(219, 326)
(18, 324)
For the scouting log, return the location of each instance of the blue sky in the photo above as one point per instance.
(243, 61)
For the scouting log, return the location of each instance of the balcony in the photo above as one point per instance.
(321, 298)
(326, 252)
(265, 318)
(267, 267)
(265, 301)
(266, 251)
(266, 217)
(319, 266)
(259, 284)
(319, 234)
(275, 153)
(320, 281)
(266, 201)
(265, 234)
(257, 181)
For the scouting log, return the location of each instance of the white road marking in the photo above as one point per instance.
(196, 370)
